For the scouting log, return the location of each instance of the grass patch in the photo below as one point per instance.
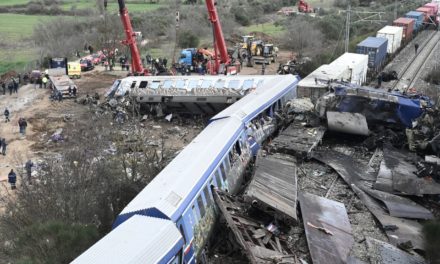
(12, 2)
(16, 59)
(267, 28)
(112, 6)
(15, 27)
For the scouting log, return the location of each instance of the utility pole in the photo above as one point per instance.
(395, 9)
(347, 28)
(360, 16)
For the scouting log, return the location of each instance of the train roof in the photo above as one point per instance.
(140, 238)
(266, 94)
(169, 193)
(373, 42)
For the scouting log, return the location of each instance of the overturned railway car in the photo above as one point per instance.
(170, 221)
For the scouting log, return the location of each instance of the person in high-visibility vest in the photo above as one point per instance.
(44, 81)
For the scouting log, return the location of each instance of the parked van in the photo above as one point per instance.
(74, 70)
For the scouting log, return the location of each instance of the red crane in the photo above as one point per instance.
(130, 41)
(221, 55)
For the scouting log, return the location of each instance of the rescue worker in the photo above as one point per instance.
(4, 88)
(6, 113)
(416, 47)
(44, 80)
(28, 166)
(12, 179)
(74, 91)
(22, 124)
(4, 145)
(15, 84)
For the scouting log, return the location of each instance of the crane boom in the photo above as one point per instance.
(130, 41)
(220, 50)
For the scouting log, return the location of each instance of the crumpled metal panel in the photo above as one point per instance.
(381, 252)
(334, 244)
(404, 179)
(398, 230)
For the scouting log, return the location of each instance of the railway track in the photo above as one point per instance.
(414, 67)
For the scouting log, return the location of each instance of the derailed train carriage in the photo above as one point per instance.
(171, 220)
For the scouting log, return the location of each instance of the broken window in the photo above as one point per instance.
(222, 169)
(217, 178)
(143, 84)
(208, 197)
(238, 148)
(228, 163)
(195, 214)
(201, 206)
(133, 84)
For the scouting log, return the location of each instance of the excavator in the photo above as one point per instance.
(220, 62)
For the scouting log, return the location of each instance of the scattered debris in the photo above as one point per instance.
(381, 252)
(274, 186)
(328, 229)
(262, 243)
(298, 140)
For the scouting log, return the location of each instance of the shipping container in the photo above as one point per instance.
(376, 49)
(434, 7)
(394, 36)
(428, 13)
(355, 65)
(418, 17)
(408, 26)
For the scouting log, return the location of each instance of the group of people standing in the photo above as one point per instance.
(12, 176)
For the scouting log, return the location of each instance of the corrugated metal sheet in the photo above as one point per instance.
(394, 36)
(140, 239)
(434, 7)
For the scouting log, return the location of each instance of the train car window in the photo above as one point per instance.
(238, 148)
(248, 84)
(234, 84)
(206, 84)
(143, 84)
(180, 84)
(201, 206)
(219, 84)
(208, 197)
(182, 232)
(167, 84)
(228, 163)
(193, 84)
(133, 84)
(154, 84)
(219, 181)
(195, 214)
(222, 169)
(177, 258)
